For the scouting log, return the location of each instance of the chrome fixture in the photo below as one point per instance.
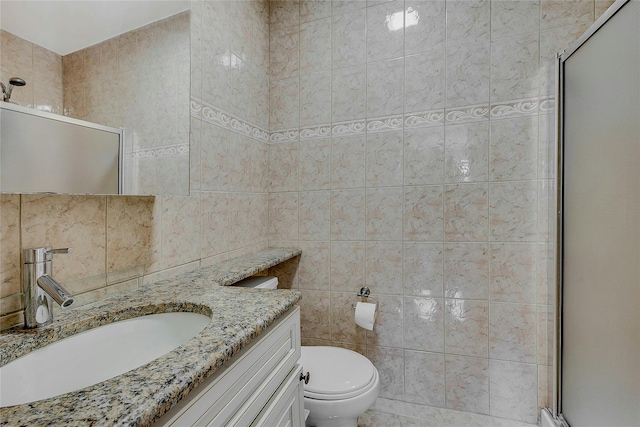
(39, 288)
(6, 90)
(365, 293)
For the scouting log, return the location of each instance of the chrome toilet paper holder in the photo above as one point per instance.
(365, 293)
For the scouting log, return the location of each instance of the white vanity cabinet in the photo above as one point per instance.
(260, 387)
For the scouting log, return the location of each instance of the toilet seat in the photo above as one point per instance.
(336, 373)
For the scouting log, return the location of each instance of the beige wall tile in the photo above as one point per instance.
(555, 13)
(284, 51)
(348, 162)
(467, 22)
(423, 207)
(348, 215)
(67, 221)
(513, 272)
(384, 165)
(283, 216)
(10, 248)
(422, 269)
(513, 211)
(466, 324)
(314, 165)
(180, 230)
(314, 215)
(428, 33)
(343, 326)
(390, 364)
(315, 45)
(383, 268)
(467, 383)
(283, 167)
(129, 228)
(466, 213)
(511, 18)
(424, 156)
(383, 215)
(387, 329)
(347, 266)
(215, 211)
(314, 321)
(315, 266)
(423, 324)
(514, 390)
(511, 327)
(424, 378)
(466, 270)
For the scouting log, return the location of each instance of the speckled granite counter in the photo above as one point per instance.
(140, 396)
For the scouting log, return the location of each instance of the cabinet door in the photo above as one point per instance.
(286, 408)
(235, 395)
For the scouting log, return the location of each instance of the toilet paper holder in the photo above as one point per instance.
(365, 293)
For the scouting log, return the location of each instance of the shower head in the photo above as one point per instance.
(17, 81)
(13, 81)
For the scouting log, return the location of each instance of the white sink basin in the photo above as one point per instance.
(96, 355)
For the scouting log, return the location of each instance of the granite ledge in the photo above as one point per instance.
(138, 397)
(233, 270)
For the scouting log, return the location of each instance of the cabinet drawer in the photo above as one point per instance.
(241, 389)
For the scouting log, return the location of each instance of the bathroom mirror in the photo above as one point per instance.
(117, 64)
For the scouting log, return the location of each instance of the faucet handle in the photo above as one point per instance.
(45, 254)
(60, 251)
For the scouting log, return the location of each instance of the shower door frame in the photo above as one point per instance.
(562, 56)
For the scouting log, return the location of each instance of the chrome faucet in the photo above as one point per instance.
(39, 287)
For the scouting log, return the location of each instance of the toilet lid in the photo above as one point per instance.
(335, 373)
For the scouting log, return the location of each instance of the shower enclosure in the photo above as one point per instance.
(598, 341)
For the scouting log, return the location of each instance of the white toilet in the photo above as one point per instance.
(342, 384)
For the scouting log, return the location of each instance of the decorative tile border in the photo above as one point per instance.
(385, 124)
(425, 119)
(355, 127)
(284, 136)
(168, 151)
(316, 132)
(456, 115)
(523, 107)
(218, 117)
(518, 108)
(473, 113)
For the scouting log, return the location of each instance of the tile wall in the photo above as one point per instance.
(140, 81)
(39, 67)
(410, 152)
(121, 242)
(410, 158)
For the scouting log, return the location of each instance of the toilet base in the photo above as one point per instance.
(335, 422)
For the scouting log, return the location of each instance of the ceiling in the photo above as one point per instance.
(65, 26)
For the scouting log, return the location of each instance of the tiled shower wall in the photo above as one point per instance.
(39, 67)
(121, 241)
(140, 81)
(410, 153)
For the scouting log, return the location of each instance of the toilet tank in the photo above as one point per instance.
(261, 282)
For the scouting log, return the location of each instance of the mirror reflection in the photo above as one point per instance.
(135, 78)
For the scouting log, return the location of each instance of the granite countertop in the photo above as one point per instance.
(140, 396)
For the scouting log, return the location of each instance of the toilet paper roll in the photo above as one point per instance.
(365, 315)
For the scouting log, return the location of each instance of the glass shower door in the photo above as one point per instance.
(600, 129)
